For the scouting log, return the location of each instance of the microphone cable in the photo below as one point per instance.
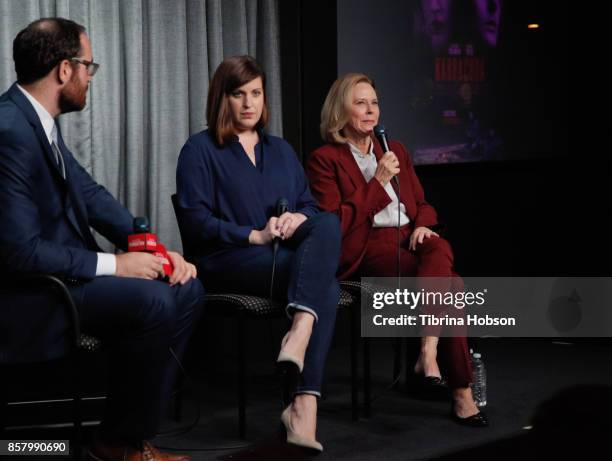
(398, 343)
(282, 206)
(399, 236)
(397, 349)
(274, 252)
(381, 134)
(271, 336)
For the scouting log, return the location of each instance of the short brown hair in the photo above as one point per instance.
(334, 112)
(42, 45)
(232, 73)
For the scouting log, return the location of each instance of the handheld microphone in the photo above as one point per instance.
(143, 240)
(282, 206)
(381, 134)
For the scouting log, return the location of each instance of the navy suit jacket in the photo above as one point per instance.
(44, 227)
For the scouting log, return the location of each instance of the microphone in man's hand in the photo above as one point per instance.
(141, 225)
(381, 134)
(143, 240)
(282, 206)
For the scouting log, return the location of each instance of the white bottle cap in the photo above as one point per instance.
(477, 355)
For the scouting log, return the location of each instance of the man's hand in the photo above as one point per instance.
(139, 265)
(183, 271)
(288, 222)
(420, 234)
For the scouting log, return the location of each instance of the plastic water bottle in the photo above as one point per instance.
(479, 380)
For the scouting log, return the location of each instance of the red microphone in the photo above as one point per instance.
(143, 240)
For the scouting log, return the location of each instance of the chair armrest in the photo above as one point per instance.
(49, 282)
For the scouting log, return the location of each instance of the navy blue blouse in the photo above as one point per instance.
(223, 196)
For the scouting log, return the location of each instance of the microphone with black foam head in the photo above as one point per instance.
(282, 206)
(381, 134)
(144, 240)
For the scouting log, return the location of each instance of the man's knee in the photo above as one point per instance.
(190, 298)
(194, 290)
(158, 307)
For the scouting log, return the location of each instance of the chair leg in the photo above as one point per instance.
(3, 407)
(407, 371)
(177, 401)
(354, 338)
(397, 361)
(367, 379)
(77, 414)
(241, 377)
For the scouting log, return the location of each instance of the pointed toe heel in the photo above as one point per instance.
(309, 446)
(286, 357)
(478, 420)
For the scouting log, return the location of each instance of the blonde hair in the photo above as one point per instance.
(334, 114)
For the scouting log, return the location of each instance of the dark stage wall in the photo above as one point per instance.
(513, 217)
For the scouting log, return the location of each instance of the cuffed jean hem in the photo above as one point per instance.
(317, 394)
(298, 307)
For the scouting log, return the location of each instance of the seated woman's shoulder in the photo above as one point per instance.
(280, 145)
(396, 145)
(278, 141)
(201, 142)
(328, 150)
(201, 138)
(198, 148)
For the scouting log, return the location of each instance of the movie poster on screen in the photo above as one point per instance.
(453, 105)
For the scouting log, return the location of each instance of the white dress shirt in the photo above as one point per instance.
(387, 217)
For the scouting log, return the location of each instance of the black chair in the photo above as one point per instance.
(357, 289)
(52, 288)
(242, 307)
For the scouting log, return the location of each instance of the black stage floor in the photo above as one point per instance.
(522, 373)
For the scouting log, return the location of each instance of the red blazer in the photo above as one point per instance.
(338, 184)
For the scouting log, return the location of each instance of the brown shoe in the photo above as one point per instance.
(108, 452)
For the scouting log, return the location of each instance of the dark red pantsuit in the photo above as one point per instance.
(433, 258)
(339, 186)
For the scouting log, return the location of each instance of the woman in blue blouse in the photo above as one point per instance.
(230, 178)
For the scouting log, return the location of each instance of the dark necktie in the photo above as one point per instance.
(56, 151)
(81, 220)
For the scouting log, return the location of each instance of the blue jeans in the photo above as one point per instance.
(305, 277)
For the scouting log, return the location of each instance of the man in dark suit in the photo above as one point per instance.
(47, 204)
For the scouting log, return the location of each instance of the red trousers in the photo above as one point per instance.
(432, 258)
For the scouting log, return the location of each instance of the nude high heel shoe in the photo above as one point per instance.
(289, 368)
(285, 357)
(309, 445)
